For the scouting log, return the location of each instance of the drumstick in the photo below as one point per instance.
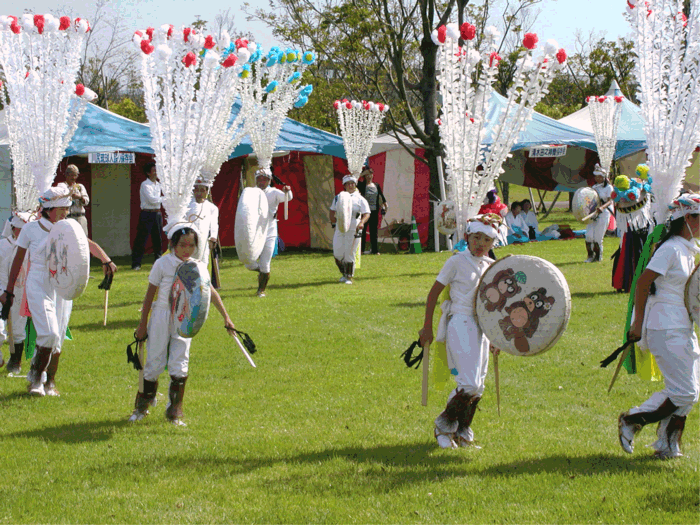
(426, 368)
(104, 323)
(142, 366)
(625, 353)
(245, 352)
(590, 216)
(498, 383)
(286, 205)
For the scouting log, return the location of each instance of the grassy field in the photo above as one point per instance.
(329, 428)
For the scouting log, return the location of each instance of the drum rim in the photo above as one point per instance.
(82, 239)
(206, 316)
(686, 295)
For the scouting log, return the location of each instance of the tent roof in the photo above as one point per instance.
(630, 132)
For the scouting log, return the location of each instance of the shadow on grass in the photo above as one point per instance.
(410, 305)
(111, 325)
(592, 295)
(100, 306)
(79, 432)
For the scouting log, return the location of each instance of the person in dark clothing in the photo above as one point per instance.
(150, 219)
(372, 192)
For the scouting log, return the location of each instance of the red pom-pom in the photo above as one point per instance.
(39, 23)
(147, 47)
(241, 42)
(65, 23)
(530, 40)
(441, 34)
(149, 32)
(190, 59)
(381, 106)
(186, 33)
(631, 196)
(561, 56)
(345, 100)
(79, 90)
(467, 31)
(230, 60)
(602, 99)
(613, 195)
(494, 56)
(630, 5)
(26, 75)
(619, 99)
(336, 104)
(170, 30)
(348, 105)
(209, 42)
(14, 26)
(472, 120)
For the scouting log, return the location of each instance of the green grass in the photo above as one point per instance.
(329, 428)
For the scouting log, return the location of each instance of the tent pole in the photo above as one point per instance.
(532, 199)
(441, 178)
(552, 206)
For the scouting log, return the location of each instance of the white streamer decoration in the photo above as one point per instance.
(472, 166)
(667, 53)
(359, 126)
(188, 85)
(271, 86)
(605, 118)
(40, 56)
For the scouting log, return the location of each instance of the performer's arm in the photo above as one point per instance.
(288, 191)
(426, 334)
(14, 272)
(218, 303)
(641, 295)
(84, 197)
(97, 251)
(363, 220)
(142, 329)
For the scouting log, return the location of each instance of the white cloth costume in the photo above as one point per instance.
(275, 197)
(50, 312)
(595, 230)
(345, 244)
(165, 346)
(205, 217)
(530, 220)
(518, 222)
(19, 323)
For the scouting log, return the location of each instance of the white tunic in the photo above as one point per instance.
(205, 217)
(518, 222)
(7, 256)
(151, 195)
(345, 244)
(595, 230)
(275, 197)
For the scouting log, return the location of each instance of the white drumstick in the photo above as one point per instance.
(245, 352)
(286, 205)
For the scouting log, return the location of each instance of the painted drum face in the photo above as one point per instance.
(190, 298)
(67, 259)
(447, 218)
(251, 224)
(584, 203)
(692, 295)
(522, 304)
(343, 212)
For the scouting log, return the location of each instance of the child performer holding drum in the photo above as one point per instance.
(467, 346)
(662, 322)
(165, 346)
(595, 230)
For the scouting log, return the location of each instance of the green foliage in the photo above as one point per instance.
(329, 428)
(128, 108)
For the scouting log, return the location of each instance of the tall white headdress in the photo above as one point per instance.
(666, 55)
(187, 86)
(271, 86)
(472, 164)
(605, 118)
(40, 56)
(359, 126)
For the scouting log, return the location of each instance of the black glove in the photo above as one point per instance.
(5, 313)
(133, 356)
(408, 357)
(106, 283)
(247, 341)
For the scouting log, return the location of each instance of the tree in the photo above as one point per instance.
(129, 109)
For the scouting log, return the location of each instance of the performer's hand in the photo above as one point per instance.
(494, 350)
(6, 305)
(360, 226)
(141, 332)
(385, 207)
(286, 189)
(635, 333)
(110, 268)
(425, 336)
(212, 245)
(229, 327)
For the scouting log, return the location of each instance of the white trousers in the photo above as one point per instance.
(345, 244)
(678, 356)
(467, 354)
(50, 312)
(165, 346)
(19, 323)
(595, 230)
(263, 262)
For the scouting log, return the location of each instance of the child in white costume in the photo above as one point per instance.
(345, 244)
(467, 346)
(165, 346)
(666, 330)
(275, 197)
(50, 312)
(19, 322)
(595, 230)
(205, 216)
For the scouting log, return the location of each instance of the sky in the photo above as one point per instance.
(558, 19)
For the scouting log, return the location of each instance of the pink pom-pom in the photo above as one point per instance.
(230, 60)
(39, 23)
(619, 99)
(442, 33)
(494, 56)
(65, 23)
(147, 47)
(561, 56)
(209, 42)
(530, 40)
(467, 31)
(79, 90)
(186, 33)
(336, 104)
(189, 59)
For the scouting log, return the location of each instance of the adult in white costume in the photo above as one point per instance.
(666, 330)
(78, 194)
(205, 216)
(19, 322)
(50, 312)
(275, 197)
(533, 225)
(595, 231)
(165, 345)
(467, 346)
(517, 228)
(345, 244)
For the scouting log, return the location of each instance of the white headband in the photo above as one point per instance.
(170, 230)
(202, 182)
(685, 205)
(480, 227)
(55, 198)
(264, 172)
(349, 178)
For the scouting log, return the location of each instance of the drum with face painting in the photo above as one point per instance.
(522, 304)
(190, 296)
(250, 230)
(67, 259)
(692, 295)
(584, 202)
(446, 218)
